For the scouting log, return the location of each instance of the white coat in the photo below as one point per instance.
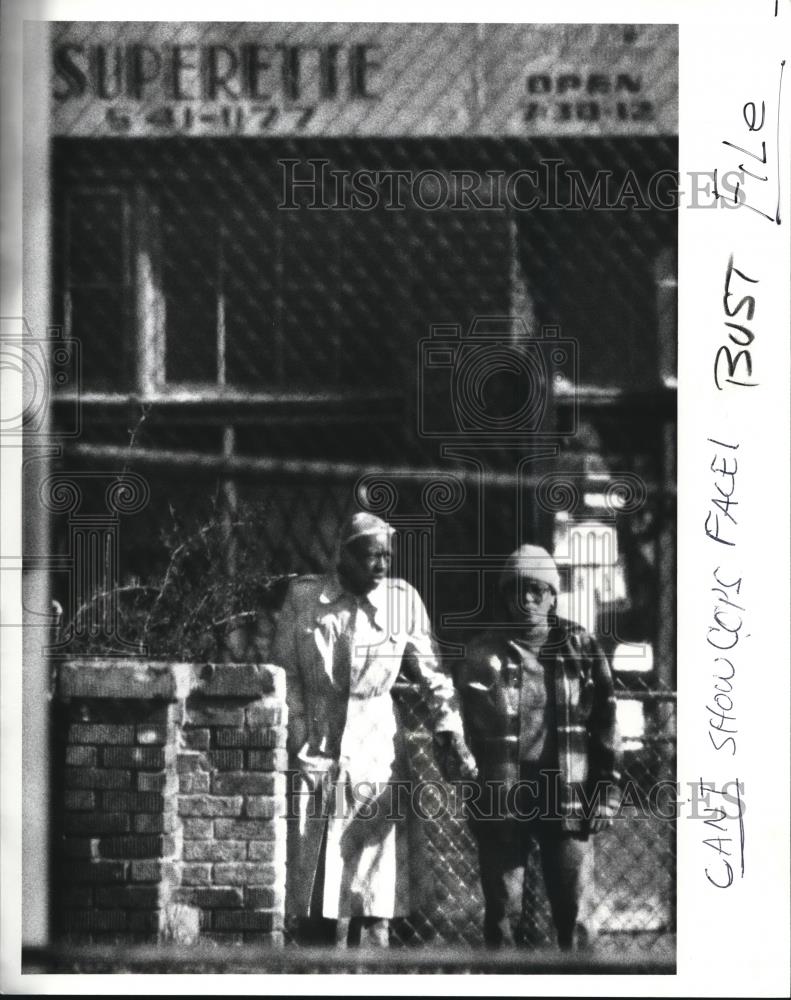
(342, 655)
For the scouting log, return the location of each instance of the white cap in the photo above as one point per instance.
(362, 523)
(534, 563)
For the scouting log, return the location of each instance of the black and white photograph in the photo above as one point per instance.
(350, 548)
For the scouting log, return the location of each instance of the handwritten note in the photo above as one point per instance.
(762, 194)
(723, 820)
(725, 636)
(741, 381)
(729, 368)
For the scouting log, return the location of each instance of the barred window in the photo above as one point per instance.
(199, 284)
(96, 284)
(175, 290)
(203, 279)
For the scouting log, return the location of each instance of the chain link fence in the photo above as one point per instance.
(260, 274)
(634, 860)
(194, 608)
(277, 328)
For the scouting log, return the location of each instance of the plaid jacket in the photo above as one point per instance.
(583, 699)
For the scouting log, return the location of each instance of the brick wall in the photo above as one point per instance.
(172, 788)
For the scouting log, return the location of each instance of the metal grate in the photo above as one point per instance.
(271, 351)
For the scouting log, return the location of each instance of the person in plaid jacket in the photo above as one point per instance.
(539, 710)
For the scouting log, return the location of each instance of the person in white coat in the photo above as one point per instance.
(354, 845)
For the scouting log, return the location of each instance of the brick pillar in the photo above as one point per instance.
(173, 802)
(232, 805)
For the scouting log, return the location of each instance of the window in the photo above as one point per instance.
(182, 291)
(96, 290)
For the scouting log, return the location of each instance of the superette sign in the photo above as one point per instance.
(160, 79)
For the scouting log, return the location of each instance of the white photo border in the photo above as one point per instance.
(731, 941)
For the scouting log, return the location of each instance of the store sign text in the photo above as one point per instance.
(250, 72)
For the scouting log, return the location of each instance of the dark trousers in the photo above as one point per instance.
(368, 932)
(504, 847)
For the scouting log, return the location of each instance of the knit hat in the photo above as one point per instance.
(533, 562)
(360, 524)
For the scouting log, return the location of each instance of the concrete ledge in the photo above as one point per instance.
(238, 680)
(618, 955)
(94, 677)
